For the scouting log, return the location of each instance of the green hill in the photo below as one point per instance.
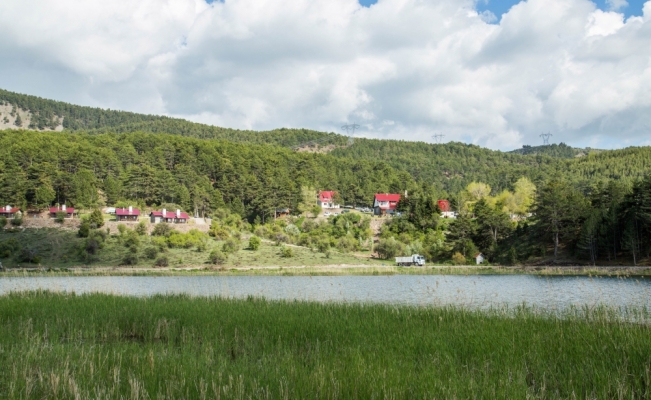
(555, 150)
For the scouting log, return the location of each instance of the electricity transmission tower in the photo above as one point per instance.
(350, 131)
(545, 137)
(438, 138)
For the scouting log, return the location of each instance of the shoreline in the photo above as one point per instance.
(330, 270)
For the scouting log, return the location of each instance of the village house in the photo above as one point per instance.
(326, 199)
(177, 217)
(70, 212)
(446, 212)
(127, 214)
(9, 212)
(282, 212)
(479, 258)
(385, 203)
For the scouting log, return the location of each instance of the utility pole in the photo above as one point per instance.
(350, 131)
(545, 137)
(438, 138)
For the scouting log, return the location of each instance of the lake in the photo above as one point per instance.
(474, 291)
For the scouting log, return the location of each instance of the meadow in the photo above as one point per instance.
(102, 346)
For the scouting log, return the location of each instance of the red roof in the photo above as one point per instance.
(4, 210)
(326, 196)
(169, 214)
(125, 211)
(444, 205)
(387, 197)
(68, 210)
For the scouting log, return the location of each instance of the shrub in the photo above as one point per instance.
(323, 245)
(201, 246)
(130, 259)
(162, 262)
(29, 255)
(388, 248)
(458, 258)
(161, 229)
(151, 252)
(17, 221)
(254, 243)
(84, 229)
(141, 228)
(9, 247)
(60, 216)
(280, 238)
(3, 222)
(122, 229)
(217, 257)
(292, 230)
(96, 218)
(230, 246)
(286, 252)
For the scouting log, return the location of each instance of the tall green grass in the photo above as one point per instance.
(102, 346)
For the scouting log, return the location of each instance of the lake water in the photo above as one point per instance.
(478, 291)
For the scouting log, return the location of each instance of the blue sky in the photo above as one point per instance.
(499, 7)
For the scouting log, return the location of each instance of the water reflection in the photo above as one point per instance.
(469, 291)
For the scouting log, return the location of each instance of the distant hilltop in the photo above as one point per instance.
(555, 150)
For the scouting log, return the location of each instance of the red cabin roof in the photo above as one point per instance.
(13, 210)
(326, 196)
(125, 211)
(68, 210)
(444, 205)
(169, 214)
(387, 197)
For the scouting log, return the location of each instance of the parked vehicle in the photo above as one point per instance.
(345, 211)
(326, 214)
(414, 259)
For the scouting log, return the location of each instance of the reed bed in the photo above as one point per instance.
(168, 347)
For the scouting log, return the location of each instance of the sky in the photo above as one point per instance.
(493, 73)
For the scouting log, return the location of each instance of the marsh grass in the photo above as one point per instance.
(102, 346)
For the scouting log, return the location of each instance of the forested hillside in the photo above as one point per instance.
(42, 168)
(555, 150)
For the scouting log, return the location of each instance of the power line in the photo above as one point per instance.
(350, 131)
(545, 137)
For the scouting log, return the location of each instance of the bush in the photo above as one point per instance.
(286, 252)
(323, 245)
(141, 228)
(84, 229)
(96, 218)
(151, 252)
(254, 243)
(29, 255)
(3, 222)
(230, 246)
(217, 257)
(161, 229)
(388, 248)
(458, 258)
(280, 238)
(17, 221)
(130, 259)
(162, 262)
(9, 247)
(60, 216)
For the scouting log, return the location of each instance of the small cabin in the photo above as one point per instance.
(282, 212)
(385, 203)
(9, 212)
(479, 258)
(69, 211)
(177, 217)
(127, 214)
(326, 199)
(446, 211)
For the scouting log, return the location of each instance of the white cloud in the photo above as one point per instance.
(402, 68)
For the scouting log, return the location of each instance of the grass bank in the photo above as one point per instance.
(101, 346)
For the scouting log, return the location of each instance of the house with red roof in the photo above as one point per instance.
(385, 203)
(70, 212)
(169, 217)
(446, 211)
(326, 199)
(9, 212)
(127, 214)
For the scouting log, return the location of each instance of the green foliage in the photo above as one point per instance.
(9, 247)
(60, 216)
(217, 257)
(193, 238)
(254, 243)
(162, 261)
(458, 258)
(84, 229)
(230, 246)
(17, 221)
(161, 229)
(286, 252)
(388, 248)
(96, 218)
(141, 228)
(3, 222)
(151, 252)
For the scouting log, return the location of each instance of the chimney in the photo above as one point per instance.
(406, 194)
(8, 208)
(164, 212)
(130, 209)
(178, 213)
(63, 207)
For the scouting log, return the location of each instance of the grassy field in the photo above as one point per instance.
(57, 248)
(101, 346)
